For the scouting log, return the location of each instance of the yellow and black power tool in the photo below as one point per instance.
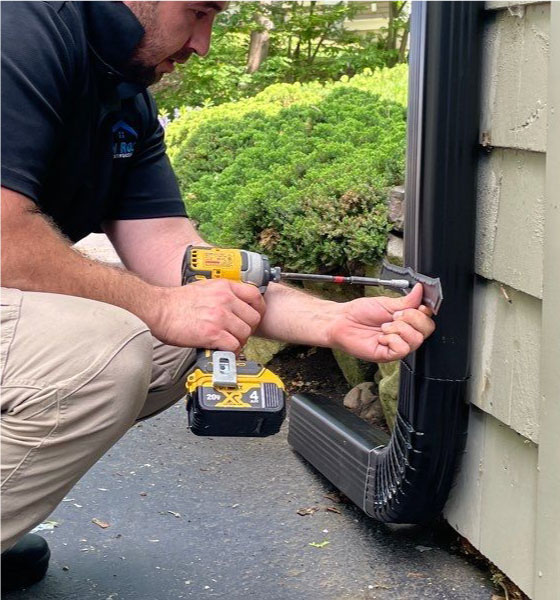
(229, 395)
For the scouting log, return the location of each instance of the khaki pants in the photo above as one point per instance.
(76, 374)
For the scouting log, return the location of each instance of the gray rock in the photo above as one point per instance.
(395, 249)
(362, 400)
(397, 208)
(374, 413)
(360, 396)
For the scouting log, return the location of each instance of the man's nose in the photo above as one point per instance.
(200, 39)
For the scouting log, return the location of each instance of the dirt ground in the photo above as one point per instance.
(310, 370)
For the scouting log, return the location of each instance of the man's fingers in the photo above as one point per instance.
(417, 319)
(239, 329)
(427, 311)
(231, 337)
(228, 343)
(407, 332)
(246, 313)
(249, 294)
(397, 346)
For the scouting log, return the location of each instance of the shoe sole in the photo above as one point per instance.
(19, 580)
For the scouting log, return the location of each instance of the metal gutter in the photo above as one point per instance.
(406, 478)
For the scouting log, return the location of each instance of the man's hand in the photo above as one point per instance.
(382, 329)
(215, 314)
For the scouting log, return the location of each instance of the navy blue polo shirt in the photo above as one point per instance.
(77, 139)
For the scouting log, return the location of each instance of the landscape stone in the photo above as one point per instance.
(261, 350)
(395, 249)
(363, 401)
(355, 371)
(360, 396)
(374, 413)
(397, 208)
(389, 390)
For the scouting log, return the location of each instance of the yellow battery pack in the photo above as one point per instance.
(254, 407)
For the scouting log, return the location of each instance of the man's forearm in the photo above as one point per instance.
(35, 257)
(297, 317)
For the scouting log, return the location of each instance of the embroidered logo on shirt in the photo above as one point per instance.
(124, 140)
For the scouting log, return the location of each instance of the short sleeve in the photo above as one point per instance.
(150, 187)
(38, 64)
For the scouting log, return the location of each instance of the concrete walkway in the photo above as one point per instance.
(203, 518)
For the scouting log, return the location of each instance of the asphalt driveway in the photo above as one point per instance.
(186, 517)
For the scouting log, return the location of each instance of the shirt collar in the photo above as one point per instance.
(113, 33)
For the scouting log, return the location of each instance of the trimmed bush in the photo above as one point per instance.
(299, 172)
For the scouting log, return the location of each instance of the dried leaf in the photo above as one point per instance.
(100, 523)
(379, 586)
(319, 544)
(307, 511)
(334, 497)
(338, 498)
(332, 509)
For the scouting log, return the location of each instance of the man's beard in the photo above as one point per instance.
(137, 72)
(137, 69)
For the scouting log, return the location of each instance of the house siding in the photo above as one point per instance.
(507, 493)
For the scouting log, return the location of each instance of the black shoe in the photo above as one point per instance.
(25, 563)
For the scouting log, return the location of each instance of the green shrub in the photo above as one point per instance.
(300, 172)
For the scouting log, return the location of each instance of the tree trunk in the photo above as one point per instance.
(402, 49)
(258, 47)
(391, 37)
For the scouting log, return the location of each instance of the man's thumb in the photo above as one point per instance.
(412, 300)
